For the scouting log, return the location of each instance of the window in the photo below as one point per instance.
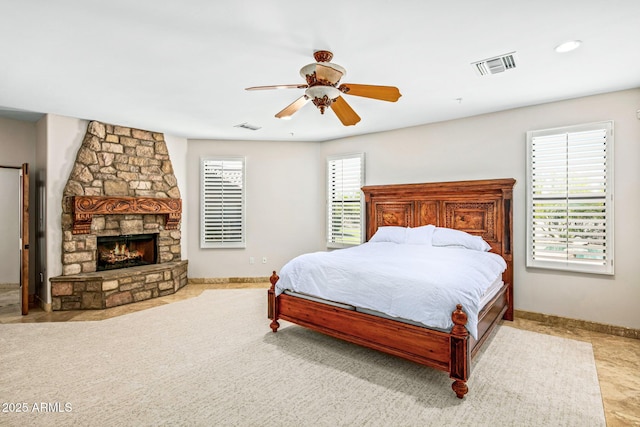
(570, 198)
(222, 203)
(345, 176)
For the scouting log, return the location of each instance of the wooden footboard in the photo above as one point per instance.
(450, 352)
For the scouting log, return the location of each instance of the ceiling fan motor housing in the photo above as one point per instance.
(314, 77)
(322, 78)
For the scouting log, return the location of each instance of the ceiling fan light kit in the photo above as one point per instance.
(322, 79)
(322, 96)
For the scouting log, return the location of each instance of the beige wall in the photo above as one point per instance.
(493, 146)
(178, 153)
(17, 146)
(63, 138)
(284, 216)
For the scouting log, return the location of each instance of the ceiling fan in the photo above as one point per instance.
(322, 89)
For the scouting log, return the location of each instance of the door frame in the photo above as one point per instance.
(24, 237)
(24, 234)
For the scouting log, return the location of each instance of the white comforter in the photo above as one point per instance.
(415, 282)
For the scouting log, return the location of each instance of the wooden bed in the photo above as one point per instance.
(481, 208)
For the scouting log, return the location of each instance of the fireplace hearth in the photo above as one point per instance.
(126, 251)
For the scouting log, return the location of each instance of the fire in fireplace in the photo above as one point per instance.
(126, 251)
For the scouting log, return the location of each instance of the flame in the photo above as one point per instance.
(123, 250)
(120, 253)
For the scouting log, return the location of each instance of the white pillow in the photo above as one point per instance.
(391, 234)
(450, 237)
(420, 235)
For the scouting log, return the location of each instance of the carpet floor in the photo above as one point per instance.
(213, 361)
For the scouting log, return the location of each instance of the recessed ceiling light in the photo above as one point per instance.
(568, 46)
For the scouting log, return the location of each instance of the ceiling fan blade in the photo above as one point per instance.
(290, 109)
(328, 74)
(383, 93)
(293, 86)
(345, 113)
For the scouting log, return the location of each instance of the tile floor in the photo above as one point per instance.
(9, 296)
(617, 358)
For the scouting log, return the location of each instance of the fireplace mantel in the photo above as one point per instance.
(84, 207)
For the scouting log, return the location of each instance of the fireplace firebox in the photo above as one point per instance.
(126, 251)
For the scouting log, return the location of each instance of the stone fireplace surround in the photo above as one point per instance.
(126, 178)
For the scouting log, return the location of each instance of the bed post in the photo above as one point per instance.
(460, 358)
(507, 245)
(272, 310)
(369, 226)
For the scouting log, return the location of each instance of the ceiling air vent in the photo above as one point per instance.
(246, 125)
(496, 65)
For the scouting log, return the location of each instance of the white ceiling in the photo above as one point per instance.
(180, 67)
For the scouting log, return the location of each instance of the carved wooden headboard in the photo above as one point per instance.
(480, 207)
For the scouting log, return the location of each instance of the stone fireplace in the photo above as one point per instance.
(121, 212)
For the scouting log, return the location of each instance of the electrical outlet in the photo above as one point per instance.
(264, 259)
(252, 260)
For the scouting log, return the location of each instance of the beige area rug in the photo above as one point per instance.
(213, 361)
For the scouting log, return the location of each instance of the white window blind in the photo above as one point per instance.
(222, 203)
(570, 198)
(345, 177)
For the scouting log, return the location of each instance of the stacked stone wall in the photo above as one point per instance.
(118, 161)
